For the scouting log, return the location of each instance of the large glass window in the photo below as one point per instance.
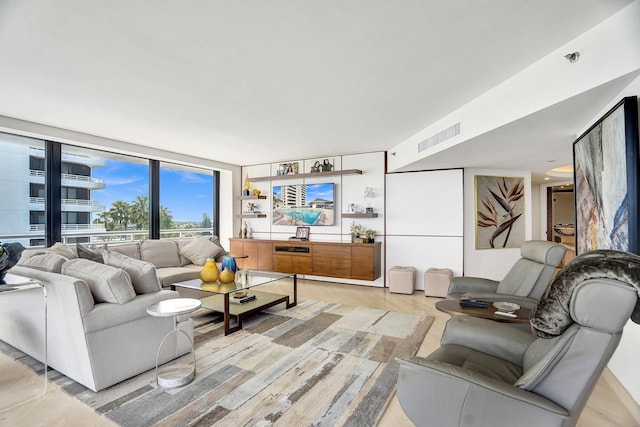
(22, 165)
(105, 196)
(186, 201)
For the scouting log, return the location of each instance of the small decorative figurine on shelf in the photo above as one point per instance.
(247, 186)
(251, 207)
(256, 192)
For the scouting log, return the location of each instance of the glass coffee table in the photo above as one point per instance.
(223, 300)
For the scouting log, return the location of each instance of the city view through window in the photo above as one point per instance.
(104, 196)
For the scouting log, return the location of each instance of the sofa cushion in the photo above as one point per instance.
(44, 262)
(142, 273)
(199, 249)
(161, 253)
(170, 275)
(107, 283)
(89, 252)
(130, 249)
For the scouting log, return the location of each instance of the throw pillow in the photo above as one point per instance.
(198, 250)
(44, 262)
(216, 241)
(89, 253)
(61, 249)
(143, 274)
(107, 283)
(161, 253)
(131, 249)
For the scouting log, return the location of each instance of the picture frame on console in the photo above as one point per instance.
(302, 233)
(606, 181)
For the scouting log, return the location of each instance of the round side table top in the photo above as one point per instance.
(174, 307)
(453, 307)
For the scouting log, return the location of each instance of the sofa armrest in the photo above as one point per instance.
(489, 337)
(462, 285)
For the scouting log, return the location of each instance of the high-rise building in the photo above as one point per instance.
(23, 192)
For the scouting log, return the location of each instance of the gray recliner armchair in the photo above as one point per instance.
(524, 284)
(489, 374)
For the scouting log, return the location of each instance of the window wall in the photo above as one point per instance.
(186, 200)
(103, 196)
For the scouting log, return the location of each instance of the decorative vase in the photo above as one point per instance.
(227, 276)
(230, 263)
(209, 272)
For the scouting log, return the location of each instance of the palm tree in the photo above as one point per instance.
(120, 214)
(139, 210)
(104, 218)
(166, 219)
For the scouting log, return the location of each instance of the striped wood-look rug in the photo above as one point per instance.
(318, 364)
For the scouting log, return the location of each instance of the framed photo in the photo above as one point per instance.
(605, 173)
(288, 168)
(499, 206)
(302, 233)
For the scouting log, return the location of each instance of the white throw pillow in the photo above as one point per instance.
(44, 262)
(143, 274)
(198, 250)
(107, 283)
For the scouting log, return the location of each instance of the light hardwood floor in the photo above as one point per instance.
(56, 408)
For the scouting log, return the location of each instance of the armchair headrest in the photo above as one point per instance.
(543, 252)
(560, 306)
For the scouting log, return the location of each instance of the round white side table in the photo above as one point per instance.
(175, 375)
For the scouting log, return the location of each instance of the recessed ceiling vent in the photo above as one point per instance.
(440, 137)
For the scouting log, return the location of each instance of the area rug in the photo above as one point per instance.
(317, 364)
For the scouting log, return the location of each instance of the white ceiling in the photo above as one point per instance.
(248, 82)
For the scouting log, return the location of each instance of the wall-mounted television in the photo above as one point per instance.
(304, 204)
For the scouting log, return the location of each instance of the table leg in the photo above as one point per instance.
(295, 292)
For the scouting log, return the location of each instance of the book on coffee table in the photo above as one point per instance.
(241, 300)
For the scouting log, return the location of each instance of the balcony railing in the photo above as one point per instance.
(68, 227)
(74, 202)
(106, 236)
(69, 177)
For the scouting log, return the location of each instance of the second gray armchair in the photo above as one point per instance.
(524, 284)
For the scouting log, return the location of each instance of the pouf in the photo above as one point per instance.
(436, 282)
(402, 280)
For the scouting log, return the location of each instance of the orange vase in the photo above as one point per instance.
(209, 272)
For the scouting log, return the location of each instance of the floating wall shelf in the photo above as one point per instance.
(251, 197)
(307, 175)
(359, 215)
(251, 216)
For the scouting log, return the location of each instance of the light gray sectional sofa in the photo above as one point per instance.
(98, 330)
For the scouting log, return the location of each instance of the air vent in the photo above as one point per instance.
(440, 137)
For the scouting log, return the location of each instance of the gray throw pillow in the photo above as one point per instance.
(89, 253)
(107, 283)
(143, 274)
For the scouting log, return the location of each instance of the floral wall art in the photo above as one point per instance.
(499, 212)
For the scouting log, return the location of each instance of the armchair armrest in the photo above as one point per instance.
(461, 285)
(489, 337)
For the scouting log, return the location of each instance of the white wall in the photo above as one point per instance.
(425, 221)
(490, 263)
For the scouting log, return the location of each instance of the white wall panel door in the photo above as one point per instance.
(425, 221)
(425, 203)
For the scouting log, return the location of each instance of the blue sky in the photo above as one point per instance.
(186, 194)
